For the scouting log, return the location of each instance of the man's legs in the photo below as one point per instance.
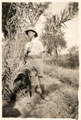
(32, 90)
(32, 85)
(42, 87)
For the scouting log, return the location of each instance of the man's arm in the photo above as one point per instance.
(42, 49)
(43, 54)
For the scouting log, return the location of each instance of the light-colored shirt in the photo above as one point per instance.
(35, 46)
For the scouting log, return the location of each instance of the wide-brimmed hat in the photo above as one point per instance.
(27, 31)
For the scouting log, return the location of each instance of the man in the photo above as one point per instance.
(34, 53)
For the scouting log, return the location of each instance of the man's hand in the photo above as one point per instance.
(28, 50)
(26, 54)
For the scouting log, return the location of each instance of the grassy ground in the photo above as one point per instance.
(62, 89)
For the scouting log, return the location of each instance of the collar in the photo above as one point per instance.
(35, 39)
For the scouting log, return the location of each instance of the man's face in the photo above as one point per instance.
(31, 34)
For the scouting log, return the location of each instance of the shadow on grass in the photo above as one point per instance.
(38, 100)
(50, 89)
(9, 111)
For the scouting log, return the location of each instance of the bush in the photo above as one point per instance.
(70, 60)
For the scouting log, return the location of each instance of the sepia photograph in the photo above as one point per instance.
(40, 59)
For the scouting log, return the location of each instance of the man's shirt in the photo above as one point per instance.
(35, 46)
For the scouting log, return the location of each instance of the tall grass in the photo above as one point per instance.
(12, 57)
(65, 75)
(68, 88)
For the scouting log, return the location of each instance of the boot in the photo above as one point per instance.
(37, 89)
(43, 95)
(42, 91)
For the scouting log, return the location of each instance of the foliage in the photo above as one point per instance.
(73, 57)
(20, 16)
(64, 74)
(53, 36)
(67, 14)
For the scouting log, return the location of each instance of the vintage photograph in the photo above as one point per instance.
(40, 59)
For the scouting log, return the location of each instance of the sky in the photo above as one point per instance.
(71, 32)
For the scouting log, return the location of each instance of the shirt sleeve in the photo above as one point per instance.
(26, 47)
(42, 49)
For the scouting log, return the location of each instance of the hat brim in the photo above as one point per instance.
(27, 31)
